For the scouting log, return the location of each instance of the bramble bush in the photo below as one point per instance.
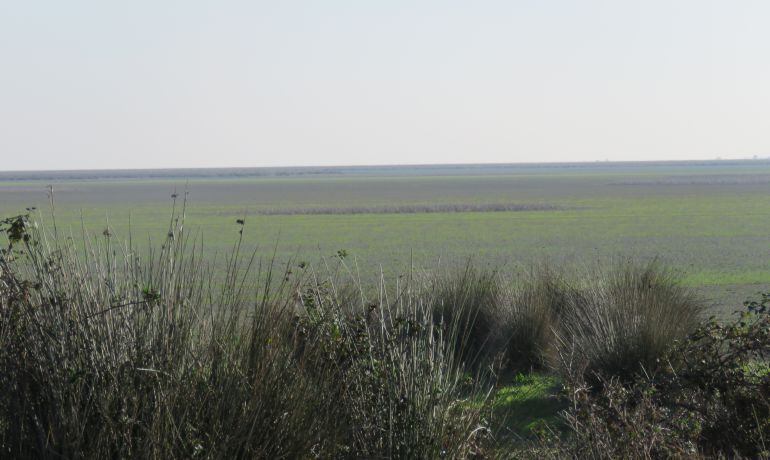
(710, 397)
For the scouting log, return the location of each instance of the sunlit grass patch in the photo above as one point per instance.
(724, 278)
(528, 404)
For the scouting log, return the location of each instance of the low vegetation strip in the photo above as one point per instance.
(710, 179)
(412, 209)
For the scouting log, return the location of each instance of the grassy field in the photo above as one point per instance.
(708, 220)
(110, 354)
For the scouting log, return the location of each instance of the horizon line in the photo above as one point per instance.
(396, 165)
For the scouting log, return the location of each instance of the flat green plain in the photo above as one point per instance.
(709, 221)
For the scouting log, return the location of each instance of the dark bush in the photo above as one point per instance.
(711, 399)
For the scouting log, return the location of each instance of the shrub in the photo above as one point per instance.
(399, 379)
(711, 400)
(114, 357)
(625, 321)
(619, 421)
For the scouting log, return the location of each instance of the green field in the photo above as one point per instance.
(708, 220)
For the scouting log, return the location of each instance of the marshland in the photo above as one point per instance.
(141, 317)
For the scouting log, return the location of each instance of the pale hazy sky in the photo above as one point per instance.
(145, 84)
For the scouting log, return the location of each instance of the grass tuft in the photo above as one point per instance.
(625, 320)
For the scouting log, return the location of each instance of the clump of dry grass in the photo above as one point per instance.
(538, 303)
(470, 305)
(625, 320)
(616, 321)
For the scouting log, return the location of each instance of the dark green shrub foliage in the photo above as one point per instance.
(711, 399)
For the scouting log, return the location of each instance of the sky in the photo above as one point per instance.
(156, 84)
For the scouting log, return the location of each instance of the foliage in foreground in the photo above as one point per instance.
(104, 354)
(622, 323)
(470, 305)
(616, 322)
(711, 399)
